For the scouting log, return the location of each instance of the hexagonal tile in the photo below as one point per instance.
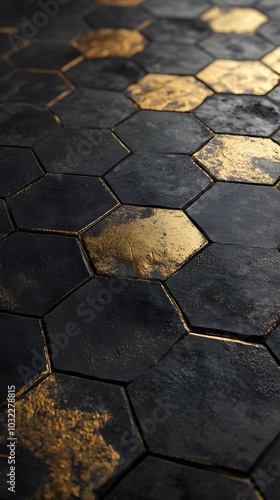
(23, 354)
(239, 77)
(106, 42)
(158, 180)
(230, 288)
(24, 125)
(143, 242)
(63, 27)
(80, 151)
(156, 478)
(18, 167)
(32, 87)
(240, 158)
(239, 214)
(110, 73)
(101, 316)
(234, 20)
(163, 132)
(273, 341)
(270, 7)
(94, 108)
(234, 46)
(274, 95)
(38, 270)
(174, 59)
(267, 474)
(185, 9)
(217, 395)
(65, 203)
(176, 30)
(246, 115)
(168, 92)
(6, 226)
(73, 437)
(273, 59)
(45, 55)
(116, 17)
(271, 31)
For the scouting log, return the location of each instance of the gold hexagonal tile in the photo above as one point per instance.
(143, 242)
(111, 42)
(273, 59)
(120, 3)
(241, 159)
(239, 77)
(234, 20)
(168, 92)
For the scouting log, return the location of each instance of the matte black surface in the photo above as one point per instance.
(232, 46)
(176, 30)
(18, 167)
(116, 17)
(5, 222)
(45, 55)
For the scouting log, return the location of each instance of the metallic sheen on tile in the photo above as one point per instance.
(234, 20)
(107, 42)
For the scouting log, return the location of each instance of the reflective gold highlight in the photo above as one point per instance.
(111, 42)
(239, 77)
(273, 59)
(234, 20)
(68, 442)
(242, 159)
(144, 242)
(168, 92)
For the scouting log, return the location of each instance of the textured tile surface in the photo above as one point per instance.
(106, 42)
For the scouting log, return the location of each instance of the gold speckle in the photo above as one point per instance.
(120, 3)
(241, 158)
(239, 77)
(111, 42)
(234, 20)
(168, 92)
(273, 59)
(144, 242)
(66, 441)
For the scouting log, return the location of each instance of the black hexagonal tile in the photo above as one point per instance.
(160, 479)
(62, 203)
(158, 180)
(273, 341)
(24, 125)
(275, 95)
(239, 214)
(106, 74)
(233, 46)
(163, 132)
(177, 59)
(80, 151)
(185, 9)
(68, 424)
(230, 288)
(176, 30)
(63, 27)
(18, 167)
(267, 473)
(115, 328)
(38, 270)
(116, 17)
(216, 396)
(33, 88)
(45, 55)
(271, 31)
(235, 114)
(23, 353)
(6, 226)
(94, 108)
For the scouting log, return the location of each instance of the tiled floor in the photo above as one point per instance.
(139, 227)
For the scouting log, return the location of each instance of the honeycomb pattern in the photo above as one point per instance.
(139, 248)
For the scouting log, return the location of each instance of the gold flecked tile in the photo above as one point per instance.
(234, 20)
(111, 42)
(143, 242)
(168, 92)
(120, 3)
(239, 77)
(273, 59)
(241, 159)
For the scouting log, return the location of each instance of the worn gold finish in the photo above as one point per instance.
(120, 3)
(111, 42)
(239, 77)
(242, 159)
(68, 443)
(168, 92)
(234, 20)
(273, 59)
(144, 242)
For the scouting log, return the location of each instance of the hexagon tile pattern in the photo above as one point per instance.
(140, 248)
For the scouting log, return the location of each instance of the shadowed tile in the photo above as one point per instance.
(273, 341)
(5, 222)
(235, 46)
(45, 55)
(267, 474)
(18, 167)
(116, 17)
(185, 9)
(176, 30)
